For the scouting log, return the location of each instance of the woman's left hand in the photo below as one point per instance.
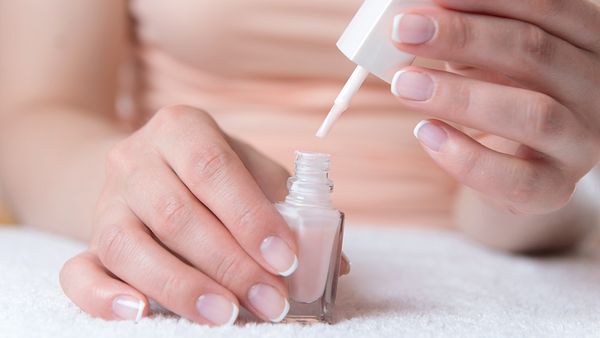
(524, 72)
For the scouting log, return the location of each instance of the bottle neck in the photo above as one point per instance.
(310, 186)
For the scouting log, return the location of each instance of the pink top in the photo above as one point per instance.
(268, 71)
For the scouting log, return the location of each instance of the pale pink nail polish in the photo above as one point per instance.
(413, 29)
(413, 85)
(268, 301)
(318, 228)
(432, 136)
(128, 308)
(217, 309)
(279, 255)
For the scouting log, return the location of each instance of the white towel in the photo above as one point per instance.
(404, 283)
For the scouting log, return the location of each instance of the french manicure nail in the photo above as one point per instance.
(128, 308)
(217, 309)
(432, 136)
(412, 29)
(268, 301)
(412, 85)
(276, 252)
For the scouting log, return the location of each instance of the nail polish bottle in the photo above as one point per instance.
(318, 228)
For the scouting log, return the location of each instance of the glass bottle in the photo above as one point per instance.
(318, 228)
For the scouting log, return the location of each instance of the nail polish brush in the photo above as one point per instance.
(367, 42)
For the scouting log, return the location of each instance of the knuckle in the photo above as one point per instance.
(470, 162)
(462, 97)
(209, 162)
(536, 46)
(112, 245)
(462, 32)
(227, 270)
(539, 189)
(544, 117)
(525, 185)
(170, 288)
(118, 158)
(175, 115)
(247, 219)
(174, 217)
(172, 113)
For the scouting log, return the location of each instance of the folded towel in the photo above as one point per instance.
(408, 283)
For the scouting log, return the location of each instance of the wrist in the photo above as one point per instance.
(496, 226)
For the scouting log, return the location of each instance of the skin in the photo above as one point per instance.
(524, 73)
(151, 197)
(147, 191)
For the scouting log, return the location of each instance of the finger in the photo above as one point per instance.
(517, 49)
(127, 250)
(480, 74)
(574, 21)
(206, 164)
(190, 230)
(518, 114)
(87, 283)
(270, 176)
(523, 186)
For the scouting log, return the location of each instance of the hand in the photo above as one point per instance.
(526, 73)
(186, 218)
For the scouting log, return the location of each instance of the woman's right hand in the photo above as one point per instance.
(185, 218)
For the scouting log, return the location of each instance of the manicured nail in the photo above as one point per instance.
(276, 252)
(412, 29)
(217, 309)
(347, 267)
(128, 308)
(412, 85)
(432, 136)
(269, 302)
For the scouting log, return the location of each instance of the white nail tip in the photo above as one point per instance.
(141, 306)
(284, 313)
(292, 268)
(396, 28)
(418, 127)
(395, 82)
(234, 314)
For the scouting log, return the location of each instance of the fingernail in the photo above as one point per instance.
(269, 302)
(432, 136)
(217, 309)
(348, 265)
(413, 29)
(128, 308)
(276, 252)
(412, 85)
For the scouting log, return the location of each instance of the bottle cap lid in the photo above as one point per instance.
(367, 40)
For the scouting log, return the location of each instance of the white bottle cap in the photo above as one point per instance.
(367, 41)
